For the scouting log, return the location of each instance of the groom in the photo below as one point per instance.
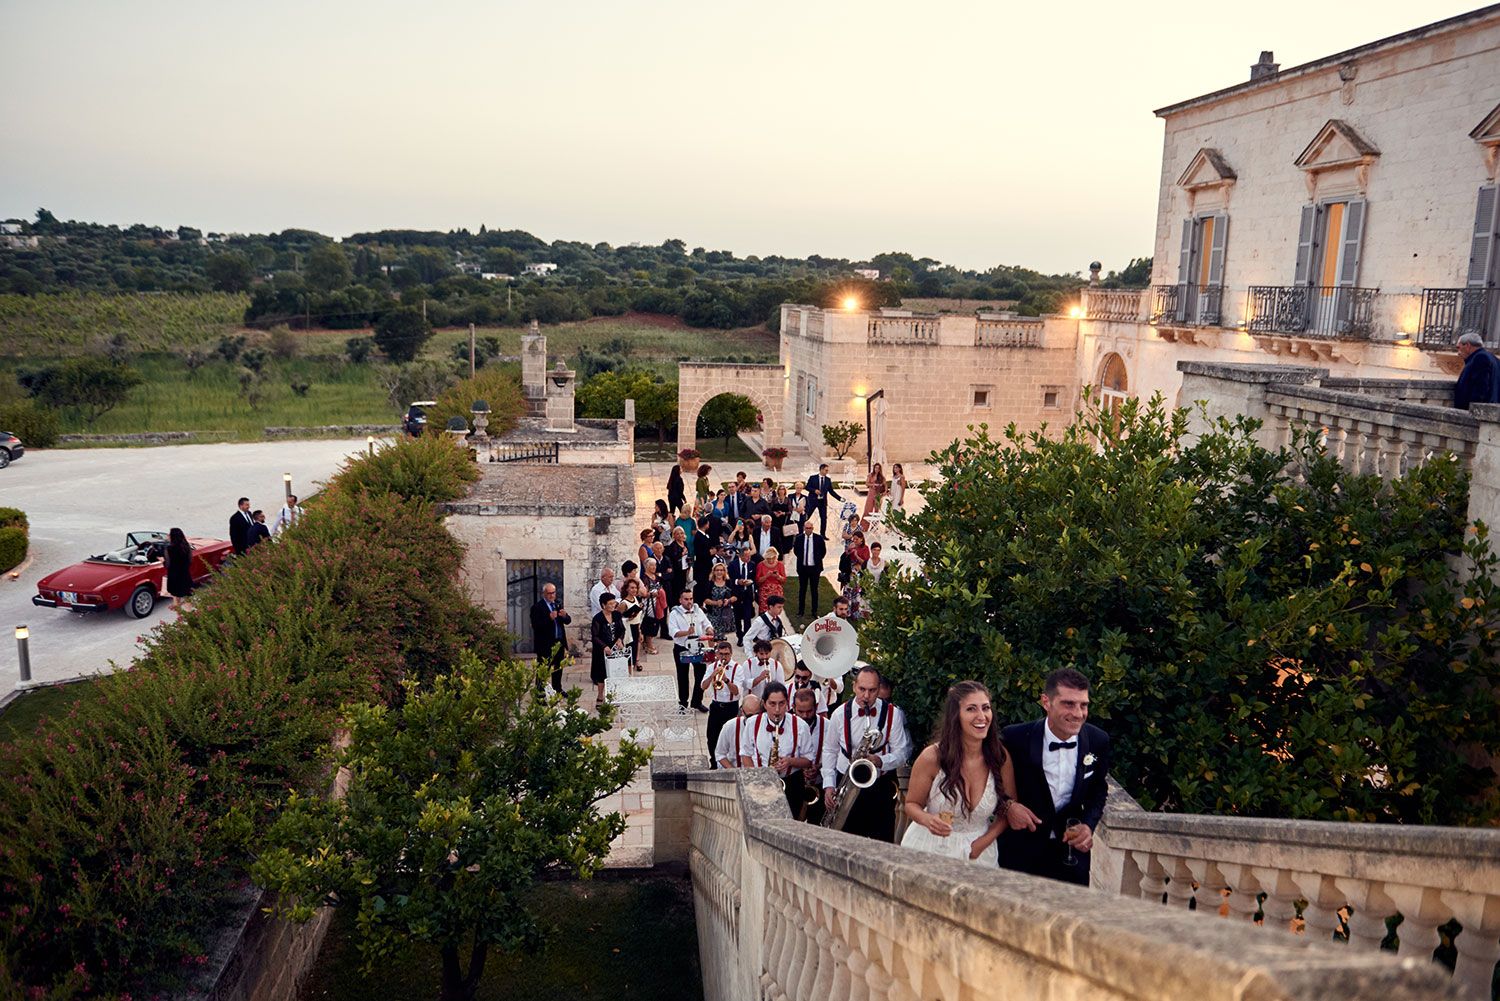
(1060, 763)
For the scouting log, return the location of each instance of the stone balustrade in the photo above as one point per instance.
(1346, 882)
(791, 912)
(1117, 304)
(1372, 435)
(903, 329)
(1008, 332)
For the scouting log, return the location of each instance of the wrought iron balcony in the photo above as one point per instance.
(1190, 305)
(1448, 313)
(1321, 311)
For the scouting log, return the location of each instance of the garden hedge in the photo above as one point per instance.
(13, 537)
(124, 825)
(36, 426)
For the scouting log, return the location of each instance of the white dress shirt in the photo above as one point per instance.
(285, 519)
(727, 749)
(755, 665)
(596, 595)
(892, 746)
(765, 538)
(819, 692)
(760, 631)
(679, 620)
(733, 674)
(1060, 767)
(795, 739)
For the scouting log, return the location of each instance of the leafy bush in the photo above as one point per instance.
(1268, 634)
(124, 825)
(427, 468)
(35, 426)
(841, 436)
(92, 385)
(357, 349)
(401, 333)
(13, 545)
(499, 387)
(418, 380)
(282, 343)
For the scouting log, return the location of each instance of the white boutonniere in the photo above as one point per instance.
(1088, 759)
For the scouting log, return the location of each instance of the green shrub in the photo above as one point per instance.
(124, 825)
(427, 468)
(12, 547)
(36, 426)
(497, 386)
(1267, 633)
(13, 516)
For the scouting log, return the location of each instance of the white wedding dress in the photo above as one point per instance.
(966, 828)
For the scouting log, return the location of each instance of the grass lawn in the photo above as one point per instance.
(616, 938)
(21, 717)
(173, 399)
(713, 451)
(826, 594)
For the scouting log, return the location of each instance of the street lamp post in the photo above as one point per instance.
(286, 484)
(23, 651)
(370, 443)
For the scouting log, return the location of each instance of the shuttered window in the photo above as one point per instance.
(1483, 263)
(1330, 238)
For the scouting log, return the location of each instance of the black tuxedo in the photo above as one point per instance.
(703, 564)
(736, 505)
(819, 489)
(1038, 852)
(808, 570)
(549, 645)
(239, 531)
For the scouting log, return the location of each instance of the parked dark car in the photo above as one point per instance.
(11, 448)
(414, 421)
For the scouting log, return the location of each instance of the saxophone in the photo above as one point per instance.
(775, 758)
(853, 782)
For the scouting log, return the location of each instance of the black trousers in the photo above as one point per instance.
(552, 657)
(1040, 854)
(678, 652)
(744, 611)
(874, 812)
(719, 713)
(807, 582)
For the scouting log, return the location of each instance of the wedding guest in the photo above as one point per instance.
(549, 638)
(727, 749)
(703, 490)
(770, 578)
(604, 585)
(874, 489)
(897, 487)
(608, 635)
(661, 521)
(643, 551)
(654, 603)
(178, 559)
(632, 615)
(873, 814)
(960, 784)
(676, 489)
(259, 532)
(719, 600)
(876, 564)
(810, 551)
(1061, 762)
(819, 489)
(742, 579)
(289, 513)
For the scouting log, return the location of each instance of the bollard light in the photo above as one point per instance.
(286, 483)
(370, 443)
(24, 653)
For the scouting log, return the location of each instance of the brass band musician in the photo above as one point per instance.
(733, 738)
(780, 741)
(724, 682)
(805, 706)
(873, 812)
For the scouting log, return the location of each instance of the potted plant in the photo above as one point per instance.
(841, 437)
(688, 459)
(773, 458)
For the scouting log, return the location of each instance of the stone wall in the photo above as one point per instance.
(787, 910)
(929, 368)
(333, 431)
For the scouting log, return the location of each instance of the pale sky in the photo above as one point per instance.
(975, 133)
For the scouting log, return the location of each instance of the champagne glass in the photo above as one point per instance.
(1069, 857)
(946, 816)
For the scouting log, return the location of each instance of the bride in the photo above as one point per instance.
(961, 784)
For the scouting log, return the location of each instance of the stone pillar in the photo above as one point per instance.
(534, 370)
(1484, 487)
(559, 390)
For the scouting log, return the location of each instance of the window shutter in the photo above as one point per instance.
(1216, 252)
(1306, 244)
(1486, 232)
(1185, 262)
(1354, 230)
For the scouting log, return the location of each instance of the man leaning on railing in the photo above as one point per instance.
(1479, 382)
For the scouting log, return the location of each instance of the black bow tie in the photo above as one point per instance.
(774, 728)
(1062, 745)
(867, 712)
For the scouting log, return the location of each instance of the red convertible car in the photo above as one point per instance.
(131, 578)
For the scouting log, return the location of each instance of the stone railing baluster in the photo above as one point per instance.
(812, 956)
(1369, 909)
(1244, 895)
(1280, 905)
(1324, 900)
(1154, 880)
(1208, 898)
(1478, 944)
(1180, 886)
(1422, 911)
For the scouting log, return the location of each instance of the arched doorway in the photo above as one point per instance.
(1114, 383)
(699, 382)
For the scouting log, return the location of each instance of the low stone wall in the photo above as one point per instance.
(145, 438)
(332, 431)
(790, 911)
(261, 958)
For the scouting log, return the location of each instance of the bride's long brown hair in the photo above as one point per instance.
(950, 744)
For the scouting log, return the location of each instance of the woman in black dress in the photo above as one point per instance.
(607, 633)
(676, 489)
(179, 561)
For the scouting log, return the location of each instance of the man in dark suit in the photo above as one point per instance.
(1061, 763)
(758, 507)
(704, 549)
(819, 489)
(241, 524)
(810, 550)
(742, 582)
(548, 617)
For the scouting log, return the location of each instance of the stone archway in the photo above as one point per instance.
(699, 382)
(1114, 382)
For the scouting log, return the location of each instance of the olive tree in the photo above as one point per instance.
(459, 800)
(1267, 633)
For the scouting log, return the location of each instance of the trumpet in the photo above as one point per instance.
(719, 679)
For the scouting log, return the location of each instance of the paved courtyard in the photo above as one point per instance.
(83, 501)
